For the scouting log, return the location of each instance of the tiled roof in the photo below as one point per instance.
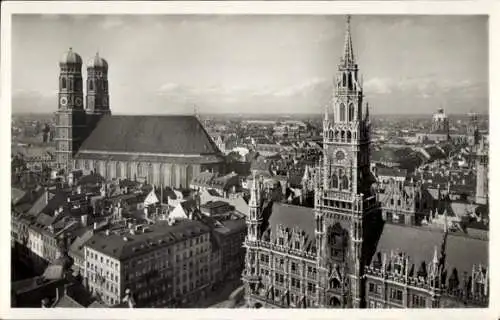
(150, 134)
(16, 195)
(461, 252)
(392, 172)
(78, 245)
(67, 302)
(292, 217)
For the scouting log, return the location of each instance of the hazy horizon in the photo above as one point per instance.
(256, 64)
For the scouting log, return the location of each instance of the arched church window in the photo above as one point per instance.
(349, 136)
(342, 135)
(350, 84)
(63, 83)
(91, 85)
(342, 112)
(344, 80)
(351, 112)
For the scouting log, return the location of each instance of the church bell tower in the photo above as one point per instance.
(70, 115)
(344, 197)
(97, 91)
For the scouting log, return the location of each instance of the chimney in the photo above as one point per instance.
(84, 219)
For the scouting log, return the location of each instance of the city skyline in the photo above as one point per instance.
(256, 64)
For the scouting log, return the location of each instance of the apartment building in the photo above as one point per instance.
(163, 264)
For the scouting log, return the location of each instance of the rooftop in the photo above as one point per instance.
(154, 135)
(123, 245)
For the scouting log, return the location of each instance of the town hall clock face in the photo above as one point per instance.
(340, 155)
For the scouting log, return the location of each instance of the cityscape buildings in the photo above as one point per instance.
(349, 209)
(330, 256)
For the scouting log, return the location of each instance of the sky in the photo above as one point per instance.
(161, 64)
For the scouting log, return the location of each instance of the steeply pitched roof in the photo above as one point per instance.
(176, 135)
(292, 217)
(67, 302)
(461, 252)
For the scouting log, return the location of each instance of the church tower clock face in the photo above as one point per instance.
(78, 102)
(64, 101)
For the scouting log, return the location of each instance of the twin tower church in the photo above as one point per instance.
(161, 150)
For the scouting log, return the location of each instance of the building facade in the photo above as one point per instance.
(165, 264)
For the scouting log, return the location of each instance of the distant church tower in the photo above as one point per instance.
(70, 115)
(344, 197)
(97, 91)
(481, 173)
(472, 130)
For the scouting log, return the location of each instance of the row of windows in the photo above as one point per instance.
(374, 288)
(107, 275)
(100, 258)
(396, 294)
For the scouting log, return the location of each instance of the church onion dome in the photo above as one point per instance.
(97, 62)
(70, 57)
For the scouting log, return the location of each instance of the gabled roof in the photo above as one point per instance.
(67, 302)
(158, 134)
(461, 251)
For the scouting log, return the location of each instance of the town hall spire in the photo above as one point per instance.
(348, 58)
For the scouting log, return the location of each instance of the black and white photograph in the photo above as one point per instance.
(248, 161)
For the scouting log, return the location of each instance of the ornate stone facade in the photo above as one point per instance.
(297, 257)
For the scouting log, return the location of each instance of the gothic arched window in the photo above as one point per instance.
(342, 112)
(91, 85)
(351, 112)
(344, 80)
(334, 283)
(350, 84)
(335, 180)
(345, 182)
(349, 136)
(63, 83)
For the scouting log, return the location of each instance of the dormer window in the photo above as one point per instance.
(297, 245)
